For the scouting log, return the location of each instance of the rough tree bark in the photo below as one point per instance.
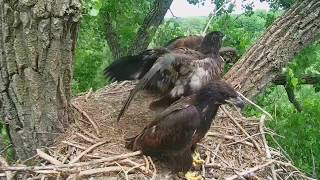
(37, 42)
(293, 31)
(150, 25)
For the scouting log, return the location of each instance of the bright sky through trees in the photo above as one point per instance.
(181, 8)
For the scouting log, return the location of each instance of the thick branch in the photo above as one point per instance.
(305, 79)
(112, 38)
(292, 97)
(292, 32)
(150, 25)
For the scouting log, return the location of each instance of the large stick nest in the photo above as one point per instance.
(234, 148)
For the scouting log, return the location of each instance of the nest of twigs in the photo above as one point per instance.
(234, 148)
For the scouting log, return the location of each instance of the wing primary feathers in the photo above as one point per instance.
(162, 63)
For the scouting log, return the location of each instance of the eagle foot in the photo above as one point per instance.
(197, 161)
(192, 175)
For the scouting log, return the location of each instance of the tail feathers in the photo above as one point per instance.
(157, 68)
(181, 162)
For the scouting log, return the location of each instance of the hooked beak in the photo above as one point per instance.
(237, 102)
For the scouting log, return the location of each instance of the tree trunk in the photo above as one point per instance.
(113, 38)
(292, 32)
(150, 25)
(37, 42)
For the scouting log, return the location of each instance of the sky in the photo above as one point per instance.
(181, 8)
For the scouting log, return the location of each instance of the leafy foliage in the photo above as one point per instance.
(91, 54)
(127, 17)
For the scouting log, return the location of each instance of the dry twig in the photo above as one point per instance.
(88, 94)
(4, 163)
(49, 158)
(229, 138)
(63, 167)
(94, 124)
(255, 105)
(251, 170)
(74, 145)
(154, 174)
(266, 147)
(87, 150)
(242, 129)
(86, 138)
(102, 170)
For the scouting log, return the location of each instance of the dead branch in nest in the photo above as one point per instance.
(94, 124)
(221, 159)
(142, 168)
(92, 136)
(102, 170)
(243, 141)
(74, 145)
(154, 174)
(255, 105)
(4, 163)
(228, 137)
(68, 166)
(88, 94)
(47, 157)
(147, 162)
(86, 138)
(251, 170)
(242, 129)
(87, 150)
(266, 147)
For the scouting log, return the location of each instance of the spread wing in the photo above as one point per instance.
(163, 74)
(171, 132)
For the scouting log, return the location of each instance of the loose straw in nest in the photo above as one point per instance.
(234, 147)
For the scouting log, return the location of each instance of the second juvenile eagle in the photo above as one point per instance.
(182, 72)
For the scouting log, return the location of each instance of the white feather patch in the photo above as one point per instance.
(153, 129)
(178, 89)
(197, 78)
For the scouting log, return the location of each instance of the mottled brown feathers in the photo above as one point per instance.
(181, 72)
(175, 131)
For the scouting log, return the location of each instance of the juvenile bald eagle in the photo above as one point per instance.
(182, 72)
(175, 132)
(134, 67)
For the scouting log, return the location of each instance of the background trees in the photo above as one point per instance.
(116, 28)
(242, 32)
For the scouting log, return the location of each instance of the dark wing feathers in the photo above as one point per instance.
(163, 63)
(171, 132)
(133, 66)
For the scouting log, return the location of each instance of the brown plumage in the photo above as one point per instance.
(182, 71)
(191, 42)
(175, 131)
(134, 67)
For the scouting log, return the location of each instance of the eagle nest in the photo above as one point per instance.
(234, 148)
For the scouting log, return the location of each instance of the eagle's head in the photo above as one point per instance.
(220, 92)
(213, 40)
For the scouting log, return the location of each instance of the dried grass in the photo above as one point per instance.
(234, 148)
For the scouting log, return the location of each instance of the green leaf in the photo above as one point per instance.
(93, 12)
(294, 82)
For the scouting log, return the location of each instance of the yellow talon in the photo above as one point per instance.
(197, 161)
(193, 175)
